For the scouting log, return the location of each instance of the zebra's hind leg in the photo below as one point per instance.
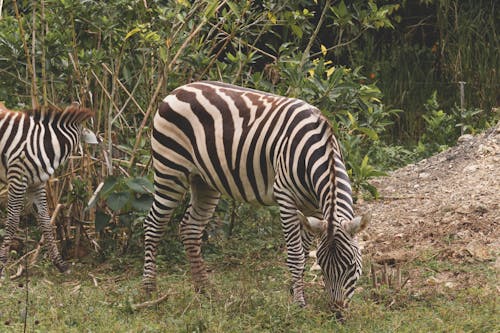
(40, 201)
(167, 196)
(295, 250)
(15, 202)
(201, 208)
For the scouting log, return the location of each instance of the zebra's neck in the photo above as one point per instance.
(336, 202)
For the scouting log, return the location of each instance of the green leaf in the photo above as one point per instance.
(101, 220)
(210, 10)
(118, 200)
(369, 132)
(371, 189)
(126, 220)
(142, 203)
(132, 32)
(297, 30)
(109, 185)
(234, 8)
(140, 185)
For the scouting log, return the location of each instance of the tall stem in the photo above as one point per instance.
(31, 71)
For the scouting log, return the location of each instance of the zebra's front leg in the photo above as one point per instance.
(295, 250)
(15, 202)
(201, 209)
(40, 201)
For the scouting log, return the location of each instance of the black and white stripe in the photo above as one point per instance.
(32, 146)
(211, 138)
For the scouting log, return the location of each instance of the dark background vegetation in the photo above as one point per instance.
(387, 73)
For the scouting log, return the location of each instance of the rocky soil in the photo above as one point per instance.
(444, 208)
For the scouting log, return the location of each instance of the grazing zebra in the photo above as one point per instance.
(32, 146)
(211, 138)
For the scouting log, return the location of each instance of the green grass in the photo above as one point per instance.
(248, 293)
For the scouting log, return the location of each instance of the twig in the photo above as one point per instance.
(94, 279)
(341, 44)
(129, 94)
(21, 258)
(151, 107)
(19, 273)
(148, 304)
(305, 54)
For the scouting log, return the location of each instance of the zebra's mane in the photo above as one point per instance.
(74, 113)
(333, 189)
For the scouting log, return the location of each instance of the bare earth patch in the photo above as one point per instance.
(443, 208)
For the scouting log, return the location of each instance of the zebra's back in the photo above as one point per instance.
(231, 136)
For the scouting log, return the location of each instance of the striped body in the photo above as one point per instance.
(32, 146)
(211, 138)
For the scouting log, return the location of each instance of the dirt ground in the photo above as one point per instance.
(444, 208)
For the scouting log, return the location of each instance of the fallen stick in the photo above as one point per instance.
(18, 274)
(149, 303)
(21, 259)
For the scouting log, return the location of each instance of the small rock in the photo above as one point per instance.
(432, 280)
(424, 175)
(449, 284)
(485, 150)
(479, 250)
(471, 168)
(465, 138)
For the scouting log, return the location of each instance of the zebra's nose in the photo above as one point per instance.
(338, 307)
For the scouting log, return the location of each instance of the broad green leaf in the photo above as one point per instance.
(140, 185)
(109, 185)
(101, 220)
(126, 220)
(142, 203)
(118, 200)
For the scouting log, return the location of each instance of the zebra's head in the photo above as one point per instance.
(75, 115)
(339, 257)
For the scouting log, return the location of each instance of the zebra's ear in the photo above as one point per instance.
(357, 224)
(312, 224)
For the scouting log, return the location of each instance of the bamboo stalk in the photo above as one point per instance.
(43, 32)
(150, 109)
(31, 71)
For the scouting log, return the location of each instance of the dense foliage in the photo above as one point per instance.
(120, 57)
